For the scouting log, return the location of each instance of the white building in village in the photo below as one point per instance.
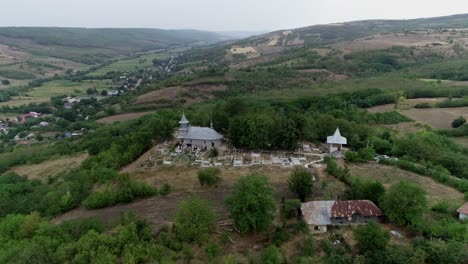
(336, 142)
(201, 137)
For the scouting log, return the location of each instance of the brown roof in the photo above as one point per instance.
(463, 209)
(348, 208)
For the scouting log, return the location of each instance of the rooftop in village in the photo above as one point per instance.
(321, 212)
(463, 209)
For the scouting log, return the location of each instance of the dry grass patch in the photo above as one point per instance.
(440, 118)
(122, 117)
(50, 168)
(389, 175)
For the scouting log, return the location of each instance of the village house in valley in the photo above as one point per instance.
(320, 214)
(197, 137)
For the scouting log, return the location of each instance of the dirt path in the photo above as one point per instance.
(161, 210)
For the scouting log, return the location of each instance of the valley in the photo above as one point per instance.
(184, 146)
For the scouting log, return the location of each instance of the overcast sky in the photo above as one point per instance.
(216, 15)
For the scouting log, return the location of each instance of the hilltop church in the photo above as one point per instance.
(200, 137)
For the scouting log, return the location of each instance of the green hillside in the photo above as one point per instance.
(96, 45)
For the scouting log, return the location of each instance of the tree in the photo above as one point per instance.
(5, 82)
(251, 205)
(458, 122)
(209, 176)
(404, 203)
(371, 238)
(194, 220)
(300, 182)
(271, 255)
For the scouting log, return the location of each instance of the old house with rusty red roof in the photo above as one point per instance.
(320, 214)
(463, 212)
(354, 212)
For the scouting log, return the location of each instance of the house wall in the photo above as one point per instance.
(356, 220)
(202, 143)
(463, 216)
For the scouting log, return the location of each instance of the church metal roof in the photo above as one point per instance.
(183, 120)
(337, 138)
(201, 133)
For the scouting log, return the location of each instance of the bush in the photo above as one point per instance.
(271, 255)
(209, 176)
(458, 122)
(123, 191)
(290, 208)
(371, 237)
(165, 189)
(301, 183)
(280, 236)
(252, 205)
(404, 203)
(194, 220)
(308, 250)
(423, 105)
(212, 250)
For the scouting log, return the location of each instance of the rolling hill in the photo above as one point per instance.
(27, 53)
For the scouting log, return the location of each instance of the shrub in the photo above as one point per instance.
(289, 208)
(271, 255)
(280, 236)
(212, 250)
(194, 220)
(123, 191)
(165, 189)
(301, 183)
(423, 105)
(371, 238)
(308, 249)
(404, 203)
(209, 176)
(458, 122)
(252, 205)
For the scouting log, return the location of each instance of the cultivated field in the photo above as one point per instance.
(50, 168)
(389, 175)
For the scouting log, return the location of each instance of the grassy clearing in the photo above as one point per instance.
(55, 88)
(389, 175)
(4, 116)
(122, 117)
(49, 168)
(462, 141)
(440, 118)
(125, 65)
(392, 84)
(60, 87)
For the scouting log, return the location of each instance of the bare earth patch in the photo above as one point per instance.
(389, 175)
(50, 167)
(122, 117)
